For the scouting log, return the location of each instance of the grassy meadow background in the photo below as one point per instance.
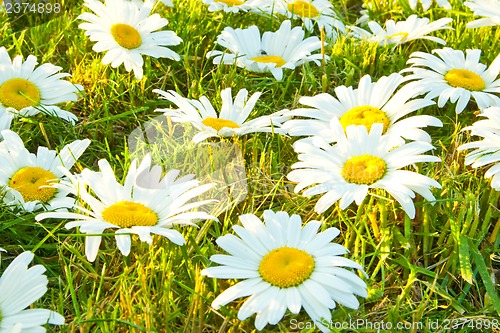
(443, 266)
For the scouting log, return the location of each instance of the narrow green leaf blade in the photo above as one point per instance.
(464, 259)
(485, 276)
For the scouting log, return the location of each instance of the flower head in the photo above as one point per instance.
(426, 4)
(126, 31)
(285, 265)
(274, 51)
(5, 121)
(455, 77)
(361, 160)
(490, 9)
(27, 90)
(396, 33)
(27, 177)
(130, 208)
(370, 103)
(231, 120)
(20, 286)
(167, 3)
(231, 6)
(486, 151)
(320, 13)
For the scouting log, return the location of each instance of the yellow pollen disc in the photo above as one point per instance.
(303, 9)
(463, 78)
(126, 36)
(28, 182)
(365, 115)
(403, 35)
(364, 169)
(127, 214)
(219, 123)
(279, 61)
(231, 3)
(19, 93)
(286, 267)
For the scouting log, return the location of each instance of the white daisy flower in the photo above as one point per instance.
(139, 3)
(486, 151)
(360, 161)
(151, 176)
(396, 33)
(21, 286)
(285, 48)
(167, 3)
(27, 177)
(368, 8)
(365, 14)
(320, 13)
(285, 265)
(455, 77)
(125, 30)
(129, 208)
(371, 102)
(426, 4)
(232, 119)
(490, 9)
(232, 6)
(27, 91)
(5, 120)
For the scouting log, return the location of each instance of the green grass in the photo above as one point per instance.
(437, 269)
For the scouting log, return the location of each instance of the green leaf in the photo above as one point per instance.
(464, 259)
(400, 238)
(463, 248)
(485, 275)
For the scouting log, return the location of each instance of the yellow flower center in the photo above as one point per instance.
(28, 182)
(286, 267)
(279, 61)
(231, 3)
(364, 169)
(126, 36)
(127, 214)
(303, 9)
(19, 93)
(365, 115)
(403, 36)
(463, 78)
(219, 123)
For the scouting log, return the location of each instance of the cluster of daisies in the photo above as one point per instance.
(126, 30)
(361, 138)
